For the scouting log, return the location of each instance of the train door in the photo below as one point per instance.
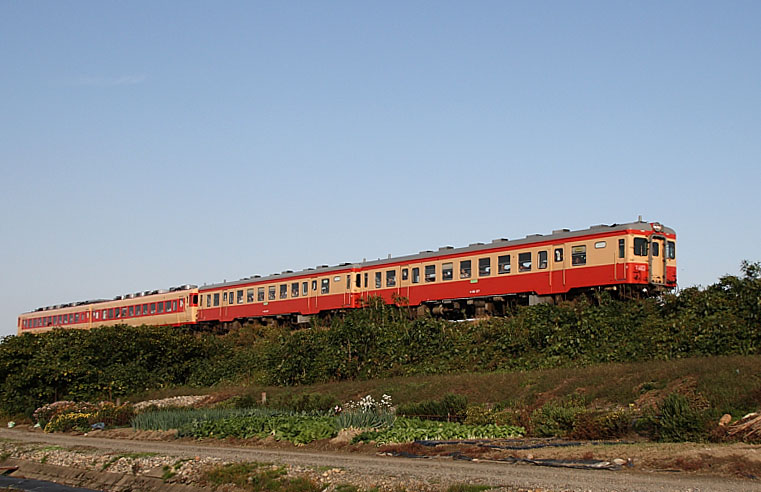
(313, 286)
(559, 262)
(657, 260)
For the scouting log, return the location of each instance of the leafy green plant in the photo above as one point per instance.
(413, 429)
(555, 419)
(451, 407)
(679, 421)
(258, 477)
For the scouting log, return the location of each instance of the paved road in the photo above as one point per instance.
(443, 470)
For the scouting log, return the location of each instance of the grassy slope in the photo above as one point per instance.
(728, 384)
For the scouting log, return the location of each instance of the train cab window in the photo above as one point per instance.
(465, 269)
(656, 248)
(325, 286)
(578, 255)
(447, 271)
(621, 248)
(503, 264)
(271, 293)
(558, 255)
(295, 289)
(182, 304)
(239, 297)
(348, 282)
(314, 285)
(160, 307)
(415, 275)
(524, 262)
(304, 288)
(366, 277)
(284, 291)
(484, 267)
(224, 297)
(671, 250)
(542, 260)
(249, 295)
(640, 246)
(378, 278)
(174, 305)
(405, 274)
(260, 294)
(430, 273)
(390, 278)
(358, 281)
(216, 299)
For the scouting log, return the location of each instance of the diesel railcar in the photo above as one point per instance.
(480, 279)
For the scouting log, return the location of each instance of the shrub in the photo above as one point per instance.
(601, 425)
(66, 422)
(679, 420)
(555, 419)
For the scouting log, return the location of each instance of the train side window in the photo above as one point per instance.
(348, 282)
(153, 308)
(378, 280)
(524, 262)
(239, 297)
(416, 275)
(542, 260)
(405, 274)
(671, 250)
(160, 307)
(249, 295)
(168, 306)
(325, 288)
(484, 267)
(656, 248)
(465, 269)
(145, 308)
(558, 255)
(314, 285)
(283, 291)
(640, 246)
(111, 314)
(503, 264)
(578, 255)
(295, 289)
(260, 294)
(358, 281)
(76, 317)
(304, 288)
(174, 305)
(216, 299)
(390, 278)
(430, 273)
(224, 297)
(621, 248)
(366, 277)
(208, 300)
(232, 297)
(447, 271)
(271, 293)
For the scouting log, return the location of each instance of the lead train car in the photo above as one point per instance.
(471, 281)
(475, 280)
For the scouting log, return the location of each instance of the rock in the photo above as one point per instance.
(725, 419)
(619, 461)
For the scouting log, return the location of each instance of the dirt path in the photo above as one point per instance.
(388, 470)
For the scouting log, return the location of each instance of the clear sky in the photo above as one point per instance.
(150, 144)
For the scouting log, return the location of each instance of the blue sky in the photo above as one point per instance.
(151, 144)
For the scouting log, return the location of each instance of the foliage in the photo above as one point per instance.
(678, 420)
(450, 407)
(602, 425)
(555, 419)
(63, 416)
(258, 477)
(296, 429)
(483, 414)
(412, 429)
(176, 418)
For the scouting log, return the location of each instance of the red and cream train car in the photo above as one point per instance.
(471, 281)
(176, 306)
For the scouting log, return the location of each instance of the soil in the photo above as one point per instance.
(631, 466)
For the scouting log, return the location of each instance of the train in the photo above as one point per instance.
(481, 279)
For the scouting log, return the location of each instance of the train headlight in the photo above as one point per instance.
(657, 227)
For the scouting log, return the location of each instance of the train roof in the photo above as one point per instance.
(559, 234)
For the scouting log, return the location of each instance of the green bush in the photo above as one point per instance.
(679, 421)
(555, 419)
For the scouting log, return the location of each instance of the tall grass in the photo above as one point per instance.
(174, 418)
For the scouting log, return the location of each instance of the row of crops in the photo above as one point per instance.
(379, 426)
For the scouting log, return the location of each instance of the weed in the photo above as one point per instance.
(462, 487)
(258, 477)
